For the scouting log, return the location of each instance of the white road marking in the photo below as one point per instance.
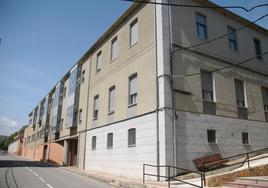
(49, 185)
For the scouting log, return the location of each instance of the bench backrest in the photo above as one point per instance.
(207, 159)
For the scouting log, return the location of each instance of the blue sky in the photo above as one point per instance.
(42, 39)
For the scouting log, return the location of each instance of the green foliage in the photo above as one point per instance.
(9, 139)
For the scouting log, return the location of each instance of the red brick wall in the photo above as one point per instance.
(38, 155)
(56, 152)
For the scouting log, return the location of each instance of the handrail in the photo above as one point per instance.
(169, 177)
(234, 156)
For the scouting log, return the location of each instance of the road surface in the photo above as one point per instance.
(16, 172)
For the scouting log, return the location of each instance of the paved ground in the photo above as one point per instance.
(16, 172)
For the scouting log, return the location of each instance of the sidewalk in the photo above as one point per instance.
(117, 180)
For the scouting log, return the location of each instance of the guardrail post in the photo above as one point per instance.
(203, 183)
(168, 176)
(143, 179)
(248, 160)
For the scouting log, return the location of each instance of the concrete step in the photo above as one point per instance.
(248, 183)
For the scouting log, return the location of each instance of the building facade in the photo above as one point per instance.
(157, 88)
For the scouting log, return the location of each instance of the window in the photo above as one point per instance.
(80, 116)
(131, 137)
(93, 142)
(110, 140)
(209, 107)
(96, 107)
(258, 50)
(232, 38)
(265, 102)
(240, 100)
(134, 32)
(111, 107)
(201, 26)
(83, 76)
(211, 134)
(61, 124)
(207, 85)
(133, 89)
(114, 49)
(64, 92)
(245, 139)
(98, 62)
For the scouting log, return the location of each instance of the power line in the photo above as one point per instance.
(199, 6)
(219, 37)
(222, 68)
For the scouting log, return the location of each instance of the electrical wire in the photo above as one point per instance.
(220, 37)
(222, 68)
(199, 6)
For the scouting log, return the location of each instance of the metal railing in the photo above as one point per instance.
(170, 177)
(247, 159)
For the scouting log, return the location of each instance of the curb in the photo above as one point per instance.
(113, 181)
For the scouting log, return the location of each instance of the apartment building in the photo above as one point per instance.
(143, 94)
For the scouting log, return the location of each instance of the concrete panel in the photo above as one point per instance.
(122, 160)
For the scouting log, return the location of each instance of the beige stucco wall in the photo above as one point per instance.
(139, 59)
(184, 32)
(215, 55)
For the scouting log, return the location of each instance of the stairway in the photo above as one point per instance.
(249, 182)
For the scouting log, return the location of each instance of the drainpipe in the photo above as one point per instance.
(84, 160)
(172, 87)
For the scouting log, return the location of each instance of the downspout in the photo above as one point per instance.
(157, 99)
(84, 160)
(172, 87)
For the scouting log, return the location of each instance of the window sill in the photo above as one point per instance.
(97, 71)
(112, 60)
(214, 102)
(132, 105)
(203, 39)
(111, 113)
(109, 147)
(212, 143)
(95, 119)
(131, 146)
(133, 45)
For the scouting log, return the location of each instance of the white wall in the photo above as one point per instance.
(192, 136)
(122, 160)
(13, 147)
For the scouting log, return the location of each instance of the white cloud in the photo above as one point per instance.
(8, 126)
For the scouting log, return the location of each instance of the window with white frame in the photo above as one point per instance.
(209, 106)
(207, 85)
(258, 50)
(134, 32)
(131, 137)
(265, 102)
(110, 140)
(83, 76)
(93, 142)
(96, 107)
(111, 106)
(98, 62)
(133, 89)
(240, 93)
(242, 111)
(114, 49)
(201, 26)
(80, 116)
(232, 38)
(245, 139)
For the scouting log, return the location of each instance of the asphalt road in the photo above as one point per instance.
(16, 172)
